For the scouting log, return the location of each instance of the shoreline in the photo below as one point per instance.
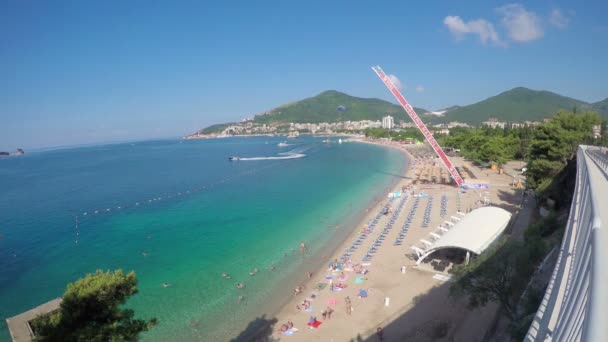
(401, 298)
(330, 252)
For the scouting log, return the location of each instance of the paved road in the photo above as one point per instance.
(522, 220)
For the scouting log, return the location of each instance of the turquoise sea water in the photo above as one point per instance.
(230, 217)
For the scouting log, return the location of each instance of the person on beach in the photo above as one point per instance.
(298, 290)
(309, 274)
(329, 311)
(289, 324)
(349, 308)
(380, 334)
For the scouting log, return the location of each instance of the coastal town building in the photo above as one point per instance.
(457, 124)
(494, 123)
(388, 122)
(597, 131)
(253, 128)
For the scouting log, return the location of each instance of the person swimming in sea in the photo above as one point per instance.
(225, 275)
(240, 286)
(254, 271)
(166, 284)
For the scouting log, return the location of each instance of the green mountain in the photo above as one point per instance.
(517, 104)
(334, 106)
(601, 106)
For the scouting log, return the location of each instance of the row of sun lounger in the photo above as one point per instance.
(426, 219)
(444, 206)
(389, 225)
(408, 222)
(371, 224)
(459, 201)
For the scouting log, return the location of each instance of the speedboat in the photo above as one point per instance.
(283, 144)
(234, 158)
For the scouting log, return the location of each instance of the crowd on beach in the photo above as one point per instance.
(336, 281)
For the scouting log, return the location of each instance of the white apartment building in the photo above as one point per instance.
(388, 122)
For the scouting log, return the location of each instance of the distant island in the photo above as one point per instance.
(333, 112)
(19, 152)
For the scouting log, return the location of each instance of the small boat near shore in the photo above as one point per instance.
(282, 144)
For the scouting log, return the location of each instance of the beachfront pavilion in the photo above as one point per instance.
(475, 232)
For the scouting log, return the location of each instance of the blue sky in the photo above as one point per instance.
(75, 72)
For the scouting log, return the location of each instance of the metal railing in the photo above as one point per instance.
(575, 304)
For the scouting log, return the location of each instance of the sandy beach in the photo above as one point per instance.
(405, 301)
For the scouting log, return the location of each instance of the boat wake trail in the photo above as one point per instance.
(286, 155)
(293, 154)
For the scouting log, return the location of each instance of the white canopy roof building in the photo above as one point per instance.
(475, 232)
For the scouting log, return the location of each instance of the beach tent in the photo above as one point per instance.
(475, 232)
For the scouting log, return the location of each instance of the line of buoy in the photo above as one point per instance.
(169, 196)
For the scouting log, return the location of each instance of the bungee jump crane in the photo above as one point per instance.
(421, 126)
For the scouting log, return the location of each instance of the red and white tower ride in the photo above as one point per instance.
(421, 126)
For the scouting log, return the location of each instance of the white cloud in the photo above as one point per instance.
(419, 89)
(522, 25)
(558, 19)
(396, 82)
(481, 27)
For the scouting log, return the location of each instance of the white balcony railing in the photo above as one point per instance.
(575, 305)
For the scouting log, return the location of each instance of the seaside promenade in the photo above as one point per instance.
(395, 287)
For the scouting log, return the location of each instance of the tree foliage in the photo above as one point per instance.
(90, 311)
(400, 135)
(492, 276)
(485, 145)
(556, 142)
